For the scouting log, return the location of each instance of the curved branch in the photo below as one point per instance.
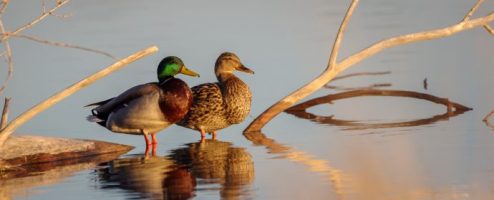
(327, 75)
(452, 109)
(22, 118)
(317, 83)
(8, 58)
(37, 20)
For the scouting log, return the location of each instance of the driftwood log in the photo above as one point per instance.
(23, 155)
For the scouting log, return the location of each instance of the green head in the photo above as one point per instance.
(171, 66)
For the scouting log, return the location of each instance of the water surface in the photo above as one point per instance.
(287, 44)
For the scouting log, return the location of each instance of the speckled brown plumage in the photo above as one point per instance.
(221, 104)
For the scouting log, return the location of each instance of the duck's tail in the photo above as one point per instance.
(99, 103)
(92, 118)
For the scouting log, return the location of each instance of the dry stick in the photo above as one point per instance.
(60, 44)
(35, 21)
(472, 10)
(360, 74)
(486, 118)
(489, 29)
(317, 83)
(5, 113)
(327, 75)
(8, 58)
(21, 119)
(3, 6)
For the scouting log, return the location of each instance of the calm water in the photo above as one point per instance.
(286, 43)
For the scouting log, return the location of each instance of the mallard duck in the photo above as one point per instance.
(221, 104)
(148, 108)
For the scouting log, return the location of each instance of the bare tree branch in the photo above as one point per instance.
(8, 58)
(360, 74)
(60, 44)
(37, 20)
(329, 74)
(5, 113)
(317, 83)
(486, 119)
(489, 29)
(3, 6)
(472, 10)
(22, 118)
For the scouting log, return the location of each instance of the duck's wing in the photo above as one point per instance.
(109, 105)
(208, 101)
(98, 103)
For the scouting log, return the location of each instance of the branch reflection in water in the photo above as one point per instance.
(335, 176)
(300, 110)
(19, 182)
(198, 167)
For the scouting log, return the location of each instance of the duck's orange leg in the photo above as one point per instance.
(214, 135)
(203, 135)
(148, 142)
(154, 143)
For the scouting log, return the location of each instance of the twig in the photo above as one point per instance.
(453, 108)
(37, 20)
(8, 58)
(489, 29)
(5, 113)
(472, 10)
(360, 74)
(22, 118)
(3, 6)
(339, 36)
(327, 75)
(60, 44)
(486, 118)
(372, 86)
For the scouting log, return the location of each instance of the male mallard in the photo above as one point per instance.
(148, 108)
(221, 104)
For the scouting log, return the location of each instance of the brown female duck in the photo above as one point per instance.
(221, 104)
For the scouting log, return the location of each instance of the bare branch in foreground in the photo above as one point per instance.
(22, 118)
(59, 4)
(486, 119)
(61, 44)
(317, 83)
(372, 86)
(360, 74)
(8, 58)
(489, 29)
(5, 113)
(472, 10)
(330, 73)
(3, 6)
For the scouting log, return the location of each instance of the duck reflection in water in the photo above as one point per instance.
(215, 165)
(147, 178)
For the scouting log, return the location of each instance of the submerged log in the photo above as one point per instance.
(27, 153)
